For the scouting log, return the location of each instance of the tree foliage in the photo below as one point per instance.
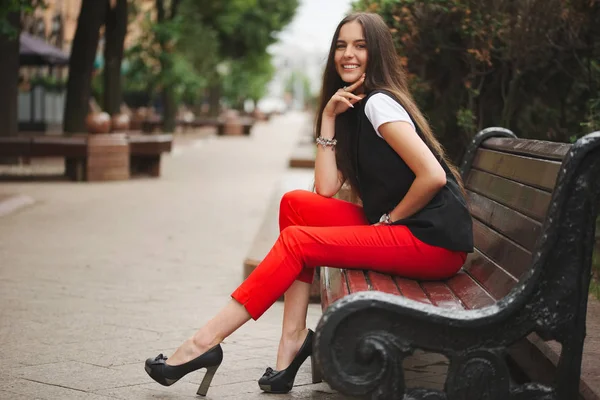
(247, 79)
(243, 27)
(528, 65)
(241, 31)
(206, 34)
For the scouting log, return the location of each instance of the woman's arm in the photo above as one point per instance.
(328, 180)
(430, 177)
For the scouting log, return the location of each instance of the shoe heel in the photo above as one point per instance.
(208, 377)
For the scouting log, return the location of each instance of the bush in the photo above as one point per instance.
(530, 66)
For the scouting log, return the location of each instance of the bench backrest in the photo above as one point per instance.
(509, 185)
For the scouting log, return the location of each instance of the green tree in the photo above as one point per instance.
(248, 79)
(171, 58)
(298, 79)
(114, 40)
(243, 29)
(81, 63)
(181, 53)
(166, 13)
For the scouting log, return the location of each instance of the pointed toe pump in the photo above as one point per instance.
(167, 375)
(282, 381)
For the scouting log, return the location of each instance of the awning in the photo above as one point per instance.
(34, 51)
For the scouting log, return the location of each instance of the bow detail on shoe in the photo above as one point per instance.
(269, 372)
(159, 359)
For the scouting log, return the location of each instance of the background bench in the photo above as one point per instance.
(145, 152)
(529, 273)
(246, 124)
(94, 157)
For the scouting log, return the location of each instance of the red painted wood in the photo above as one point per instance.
(356, 280)
(383, 283)
(441, 295)
(494, 279)
(411, 290)
(469, 292)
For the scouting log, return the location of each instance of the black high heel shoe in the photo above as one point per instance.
(282, 381)
(167, 375)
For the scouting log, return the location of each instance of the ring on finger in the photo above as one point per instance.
(345, 88)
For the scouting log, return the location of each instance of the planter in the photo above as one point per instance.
(98, 122)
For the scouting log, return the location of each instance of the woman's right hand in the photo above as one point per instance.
(343, 99)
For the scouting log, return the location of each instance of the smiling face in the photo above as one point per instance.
(351, 52)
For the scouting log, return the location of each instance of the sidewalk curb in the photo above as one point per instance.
(12, 203)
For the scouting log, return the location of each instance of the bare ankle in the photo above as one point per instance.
(204, 342)
(294, 334)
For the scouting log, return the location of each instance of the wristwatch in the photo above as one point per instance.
(385, 219)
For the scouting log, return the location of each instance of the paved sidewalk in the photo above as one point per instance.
(96, 277)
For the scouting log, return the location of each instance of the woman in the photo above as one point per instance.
(414, 220)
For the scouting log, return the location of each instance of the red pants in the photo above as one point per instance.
(320, 231)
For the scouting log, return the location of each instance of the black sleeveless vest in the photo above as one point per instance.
(384, 179)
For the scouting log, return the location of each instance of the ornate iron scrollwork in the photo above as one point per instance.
(383, 349)
(480, 374)
(425, 394)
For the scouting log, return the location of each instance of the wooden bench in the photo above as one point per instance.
(145, 153)
(84, 153)
(534, 205)
(246, 123)
(303, 155)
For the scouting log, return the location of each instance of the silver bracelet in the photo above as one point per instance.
(326, 142)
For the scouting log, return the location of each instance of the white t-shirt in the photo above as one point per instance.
(381, 108)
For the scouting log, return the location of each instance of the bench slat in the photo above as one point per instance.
(518, 227)
(492, 277)
(441, 295)
(15, 146)
(504, 252)
(530, 171)
(529, 201)
(357, 280)
(411, 290)
(383, 283)
(536, 148)
(469, 292)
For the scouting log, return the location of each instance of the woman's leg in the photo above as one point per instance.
(303, 208)
(388, 249)
(293, 329)
(296, 208)
(227, 321)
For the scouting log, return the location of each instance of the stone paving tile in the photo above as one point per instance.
(181, 390)
(4, 395)
(80, 376)
(26, 389)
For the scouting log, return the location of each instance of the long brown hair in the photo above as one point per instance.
(384, 72)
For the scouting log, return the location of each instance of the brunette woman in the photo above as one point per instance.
(413, 221)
